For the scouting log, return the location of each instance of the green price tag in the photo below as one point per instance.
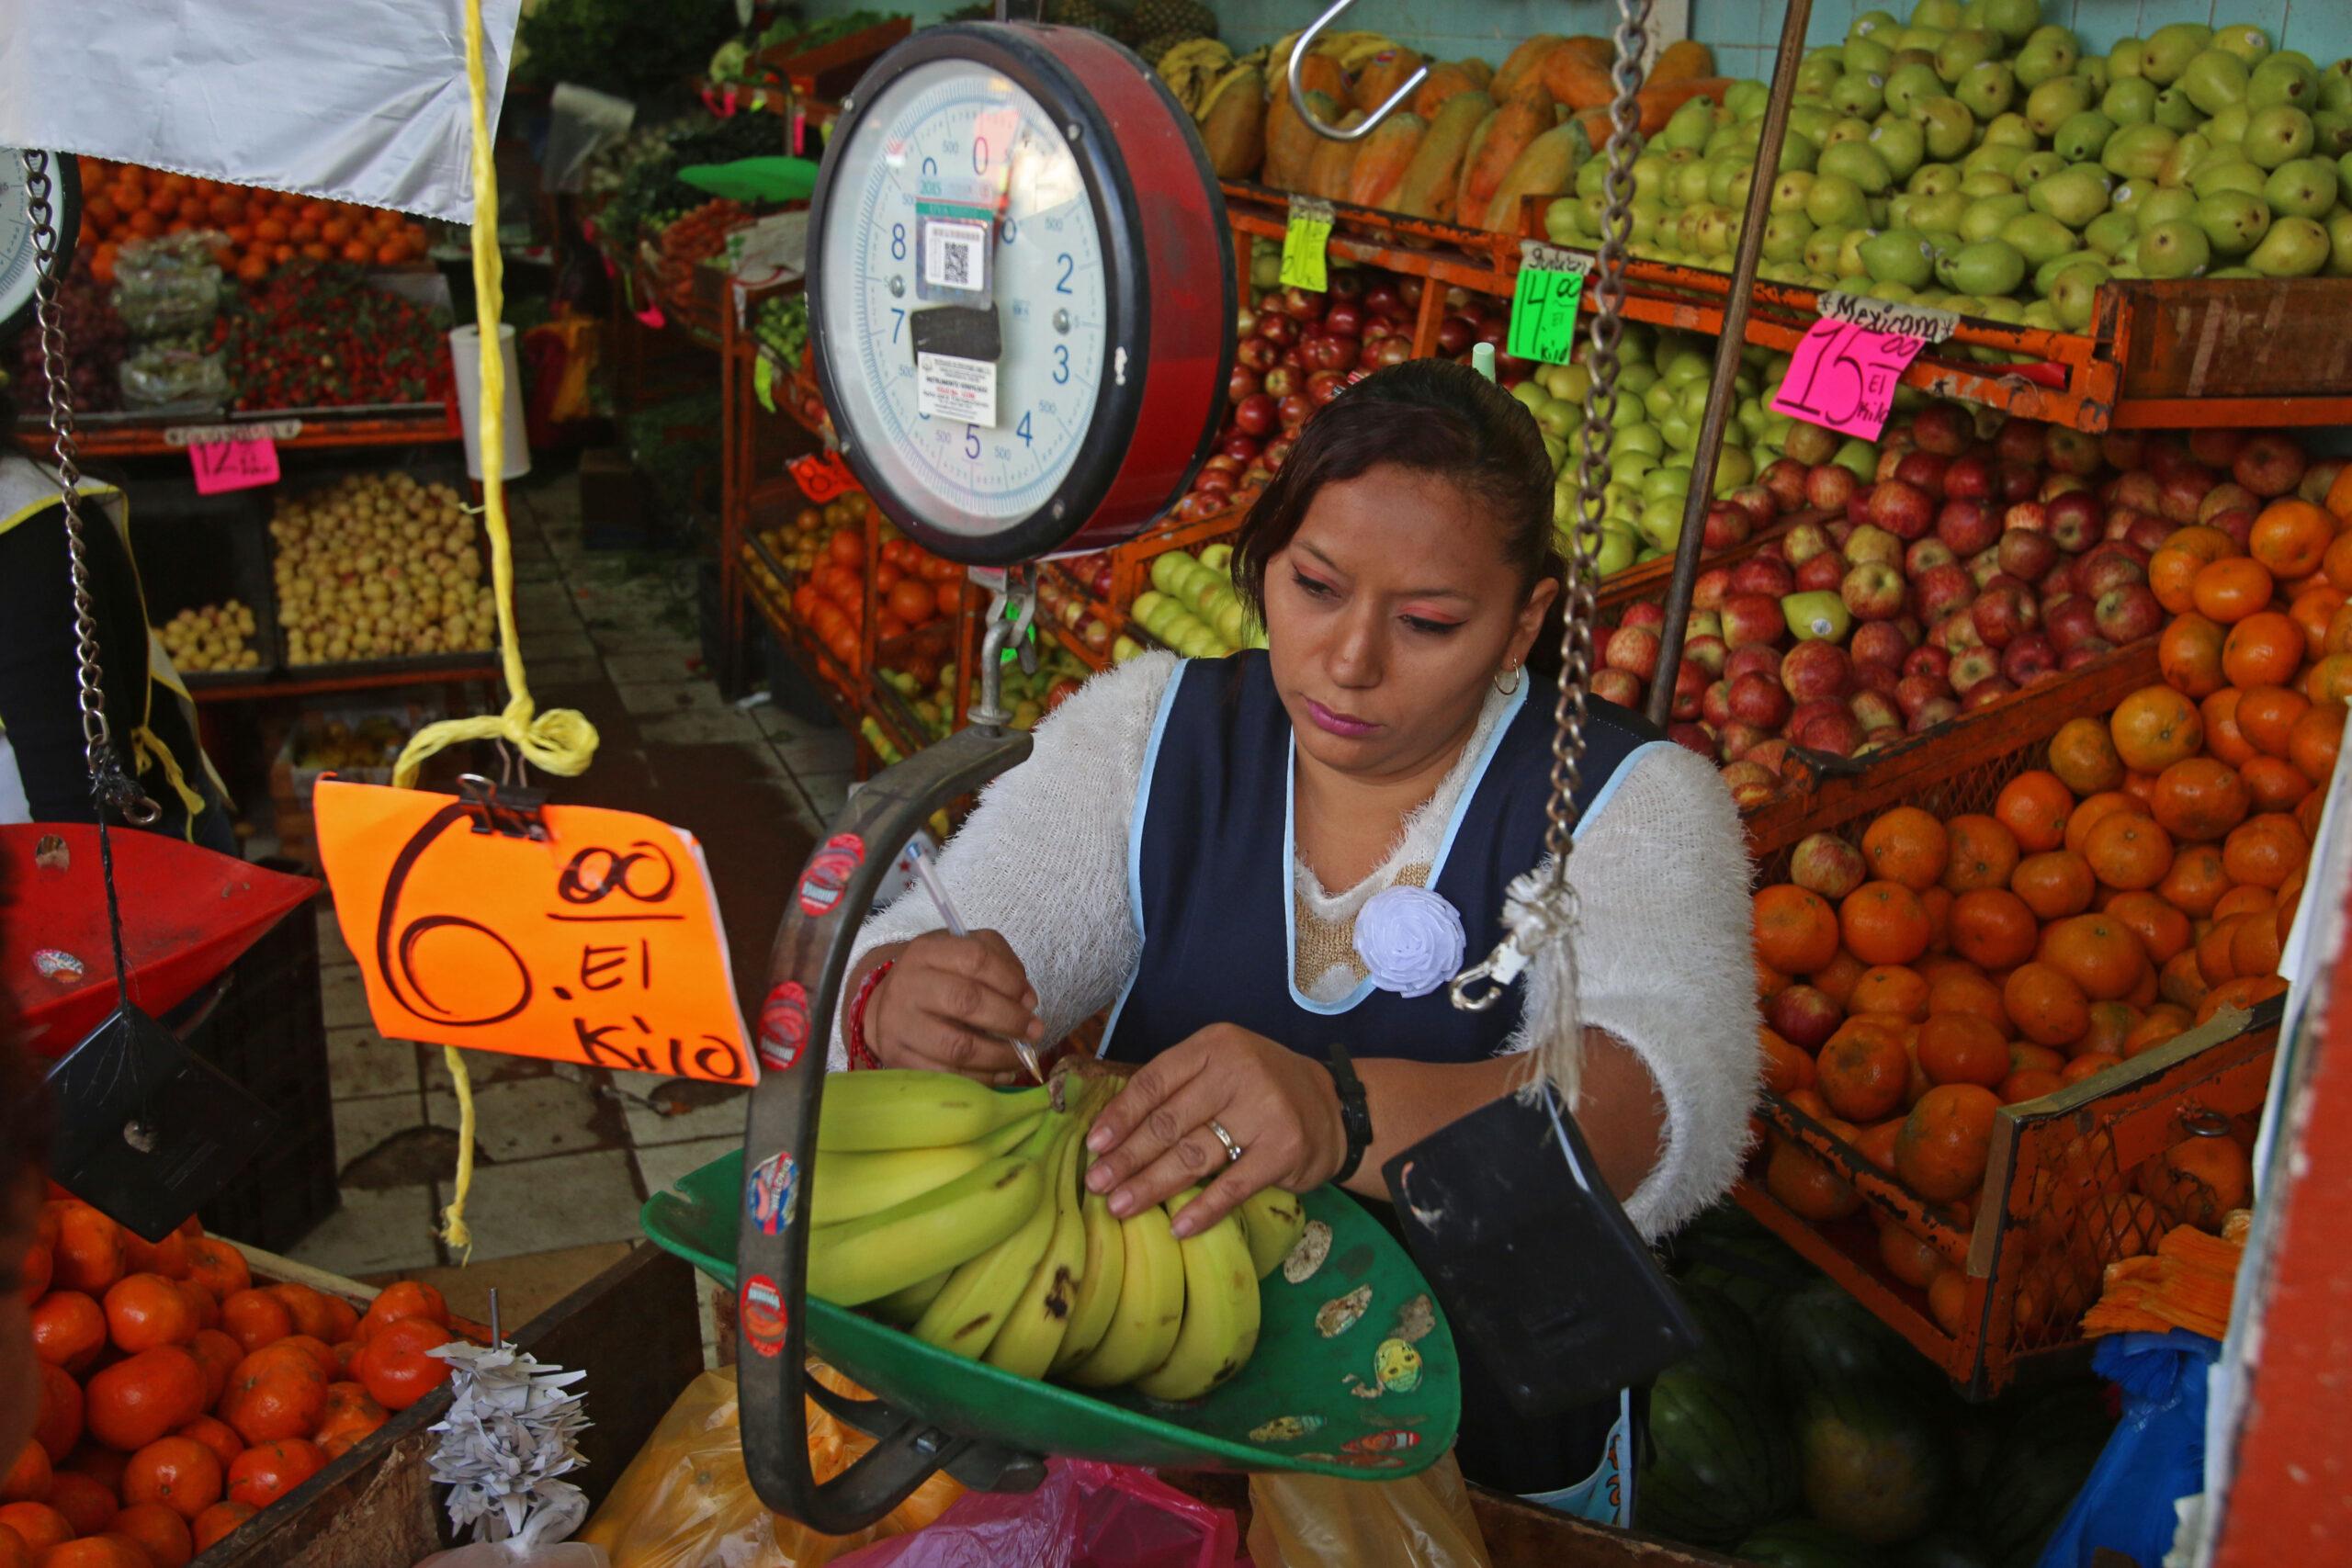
(1303, 242)
(1544, 314)
(764, 381)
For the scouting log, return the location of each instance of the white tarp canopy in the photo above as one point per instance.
(353, 100)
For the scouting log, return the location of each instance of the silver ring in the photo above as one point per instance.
(1232, 1149)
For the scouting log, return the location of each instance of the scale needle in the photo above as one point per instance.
(930, 884)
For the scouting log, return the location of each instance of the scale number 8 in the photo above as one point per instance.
(898, 242)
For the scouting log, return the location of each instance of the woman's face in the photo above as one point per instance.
(1386, 616)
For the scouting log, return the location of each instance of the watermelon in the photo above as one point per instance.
(1822, 1340)
(1876, 1462)
(1731, 1348)
(1725, 1248)
(1806, 1544)
(2032, 1481)
(1720, 1464)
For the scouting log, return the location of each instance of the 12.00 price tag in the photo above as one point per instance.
(1843, 376)
(244, 463)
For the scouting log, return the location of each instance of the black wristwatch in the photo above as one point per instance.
(1355, 1117)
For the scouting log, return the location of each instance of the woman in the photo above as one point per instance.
(1219, 847)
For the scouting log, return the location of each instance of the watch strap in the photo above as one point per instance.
(1355, 1115)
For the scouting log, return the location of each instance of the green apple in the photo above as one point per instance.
(2284, 78)
(2175, 249)
(2233, 220)
(1985, 215)
(2276, 135)
(2170, 48)
(2130, 101)
(2213, 80)
(1988, 88)
(2301, 187)
(1616, 551)
(2295, 247)
(2049, 52)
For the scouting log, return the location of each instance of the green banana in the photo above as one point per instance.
(896, 1109)
(1031, 1332)
(966, 1314)
(863, 1260)
(902, 1307)
(1220, 1325)
(1098, 1284)
(846, 1185)
(1150, 1309)
(1273, 1220)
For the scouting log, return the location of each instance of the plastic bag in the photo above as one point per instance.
(167, 285)
(2155, 1456)
(1087, 1515)
(169, 371)
(1319, 1521)
(686, 1500)
(510, 1554)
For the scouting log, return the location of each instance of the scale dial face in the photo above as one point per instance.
(19, 267)
(1021, 291)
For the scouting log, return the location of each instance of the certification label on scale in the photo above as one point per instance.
(963, 391)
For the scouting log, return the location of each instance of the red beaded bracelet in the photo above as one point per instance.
(860, 1054)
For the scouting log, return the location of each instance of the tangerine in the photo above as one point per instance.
(2197, 1181)
(2264, 649)
(218, 1522)
(1908, 846)
(58, 1425)
(1959, 1047)
(2127, 851)
(147, 1310)
(267, 1472)
(87, 1506)
(2155, 728)
(1942, 1150)
(2224, 739)
(2291, 537)
(2163, 931)
(2046, 1004)
(1796, 933)
(2098, 952)
(2163, 1022)
(2111, 1023)
(183, 1474)
(139, 1399)
(2199, 798)
(2265, 851)
(2188, 655)
(1965, 991)
(2034, 807)
(218, 1355)
(2054, 884)
(1862, 1072)
(69, 1329)
(276, 1391)
(1807, 1186)
(1884, 922)
(156, 1530)
(254, 1318)
(2196, 880)
(2230, 589)
(1948, 1300)
(1890, 989)
(1909, 1259)
(1993, 927)
(2029, 1083)
(88, 1249)
(2273, 783)
(217, 1436)
(2092, 811)
(2313, 741)
(2083, 756)
(28, 1476)
(38, 1525)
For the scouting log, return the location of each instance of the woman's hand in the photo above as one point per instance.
(1153, 1139)
(948, 1004)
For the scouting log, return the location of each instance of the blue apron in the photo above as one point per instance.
(1209, 885)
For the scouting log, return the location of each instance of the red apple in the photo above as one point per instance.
(1877, 675)
(1923, 471)
(1644, 613)
(1763, 573)
(1811, 443)
(2028, 516)
(1693, 737)
(1943, 428)
(2110, 566)
(1620, 687)
(1751, 659)
(1256, 353)
(1803, 541)
(1751, 783)
(1817, 671)
(1455, 333)
(1916, 691)
(1784, 477)
(1985, 693)
(2123, 448)
(1972, 668)
(2149, 534)
(2185, 489)
(2223, 498)
(1304, 304)
(1901, 508)
(1874, 592)
(1715, 706)
(1294, 410)
(1726, 525)
(2069, 451)
(1382, 300)
(2076, 521)
(1880, 642)
(1735, 740)
(2128, 612)
(1690, 684)
(2086, 652)
(1925, 554)
(1706, 650)
(2139, 489)
(1773, 754)
(1868, 544)
(1323, 385)
(1936, 711)
(2319, 479)
(1828, 864)
(2068, 620)
(1824, 571)
(2029, 658)
(1832, 728)
(2020, 441)
(2025, 555)
(1940, 589)
(1388, 351)
(1829, 487)
(1631, 648)
(1968, 526)
(1344, 319)
(1874, 711)
(2220, 446)
(1283, 380)
(1713, 585)
(1759, 700)
(2237, 525)
(1278, 329)
(2004, 612)
(1972, 478)
(1752, 619)
(1957, 632)
(2019, 481)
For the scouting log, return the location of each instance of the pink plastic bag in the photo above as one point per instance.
(1087, 1515)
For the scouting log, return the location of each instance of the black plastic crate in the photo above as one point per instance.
(269, 1031)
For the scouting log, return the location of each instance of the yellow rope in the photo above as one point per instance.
(560, 740)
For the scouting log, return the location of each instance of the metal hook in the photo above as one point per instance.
(1298, 91)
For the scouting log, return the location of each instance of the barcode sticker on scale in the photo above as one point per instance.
(955, 255)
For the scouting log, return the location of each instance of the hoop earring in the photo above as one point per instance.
(1518, 678)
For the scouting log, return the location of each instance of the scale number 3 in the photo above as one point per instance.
(1061, 365)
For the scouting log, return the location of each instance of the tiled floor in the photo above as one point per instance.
(565, 1156)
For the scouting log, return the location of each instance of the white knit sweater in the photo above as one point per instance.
(1661, 871)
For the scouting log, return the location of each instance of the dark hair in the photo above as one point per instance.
(1429, 415)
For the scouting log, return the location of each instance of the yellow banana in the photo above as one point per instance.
(1150, 1310)
(1220, 1325)
(1031, 1332)
(1098, 1284)
(1273, 1220)
(848, 1185)
(895, 1109)
(864, 1259)
(902, 1307)
(969, 1309)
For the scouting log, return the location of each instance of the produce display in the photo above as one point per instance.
(694, 238)
(210, 638)
(378, 566)
(250, 232)
(178, 1398)
(317, 334)
(912, 587)
(98, 339)
(960, 1213)
(1193, 608)
(781, 326)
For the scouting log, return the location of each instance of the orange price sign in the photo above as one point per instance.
(822, 476)
(600, 945)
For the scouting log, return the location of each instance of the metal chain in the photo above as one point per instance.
(1608, 289)
(110, 786)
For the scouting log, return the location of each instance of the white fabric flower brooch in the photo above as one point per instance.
(1409, 939)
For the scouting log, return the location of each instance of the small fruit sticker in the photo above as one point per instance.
(829, 872)
(774, 1183)
(1308, 1255)
(763, 1316)
(1340, 1314)
(1285, 1429)
(1389, 1442)
(783, 1026)
(1398, 1366)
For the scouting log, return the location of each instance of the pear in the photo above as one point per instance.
(2170, 48)
(1821, 248)
(1985, 268)
(2109, 232)
(2276, 135)
(1948, 127)
(2137, 152)
(2123, 61)
(1902, 147)
(2301, 187)
(2038, 237)
(2295, 247)
(1939, 214)
(2083, 137)
(1688, 126)
(2092, 68)
(1909, 85)
(1789, 190)
(1835, 201)
(1818, 71)
(1935, 179)
(2035, 167)
(2126, 196)
(1943, 13)
(1785, 235)
(2213, 80)
(1861, 94)
(2284, 78)
(2344, 169)
(2234, 221)
(1859, 164)
(1846, 128)
(1988, 88)
(2073, 295)
(1984, 219)
(2047, 105)
(2164, 205)
(2331, 132)
(1687, 186)
(2177, 249)
(1960, 50)
(1899, 255)
(2339, 241)
(2228, 127)
(2010, 130)
(2182, 161)
(2175, 112)
(1849, 252)
(2046, 275)
(2243, 39)
(2130, 101)
(2234, 174)
(2048, 53)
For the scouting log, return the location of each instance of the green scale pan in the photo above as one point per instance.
(1354, 1374)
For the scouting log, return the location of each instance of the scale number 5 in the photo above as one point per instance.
(971, 441)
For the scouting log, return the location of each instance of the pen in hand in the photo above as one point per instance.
(955, 922)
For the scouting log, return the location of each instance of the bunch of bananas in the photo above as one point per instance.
(1352, 50)
(1191, 67)
(960, 1213)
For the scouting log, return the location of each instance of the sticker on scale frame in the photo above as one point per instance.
(775, 1182)
(784, 1027)
(763, 1316)
(828, 875)
(961, 390)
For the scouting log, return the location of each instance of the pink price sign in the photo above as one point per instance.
(242, 464)
(1843, 376)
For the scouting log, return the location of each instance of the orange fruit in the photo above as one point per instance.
(2197, 1181)
(2199, 798)
(2083, 756)
(218, 1522)
(2254, 948)
(2264, 649)
(2046, 1004)
(1890, 989)
(2229, 591)
(218, 1266)
(1941, 1149)
(2092, 811)
(2127, 851)
(2163, 931)
(1993, 927)
(2329, 682)
(88, 1249)
(1796, 933)
(87, 1506)
(1908, 846)
(1936, 904)
(2265, 851)
(2215, 950)
(2222, 736)
(267, 1472)
(2155, 728)
(2245, 901)
(38, 1525)
(2314, 609)
(2163, 1022)
(1862, 1071)
(2243, 992)
(2029, 1083)
(2313, 742)
(1908, 1259)
(139, 1399)
(1959, 1047)
(254, 1318)
(2337, 562)
(1884, 922)
(2188, 655)
(1965, 991)
(1876, 1143)
(1983, 853)
(147, 1310)
(2098, 952)
(2054, 884)
(159, 1532)
(2110, 1025)
(2196, 880)
(276, 1391)
(58, 1426)
(1948, 1300)
(1807, 1186)
(181, 1473)
(2172, 571)
(2274, 785)
(107, 1551)
(2291, 537)
(217, 1436)
(1786, 1070)
(2034, 807)
(218, 1355)
(69, 1329)
(28, 1476)
(1836, 978)
(308, 1308)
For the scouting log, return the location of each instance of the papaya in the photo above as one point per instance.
(1290, 145)
(1233, 123)
(1481, 74)
(1383, 157)
(1544, 168)
(1426, 189)
(1319, 73)
(1331, 163)
(1525, 64)
(1687, 59)
(1596, 51)
(1383, 74)
(1576, 81)
(1442, 83)
(1522, 117)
